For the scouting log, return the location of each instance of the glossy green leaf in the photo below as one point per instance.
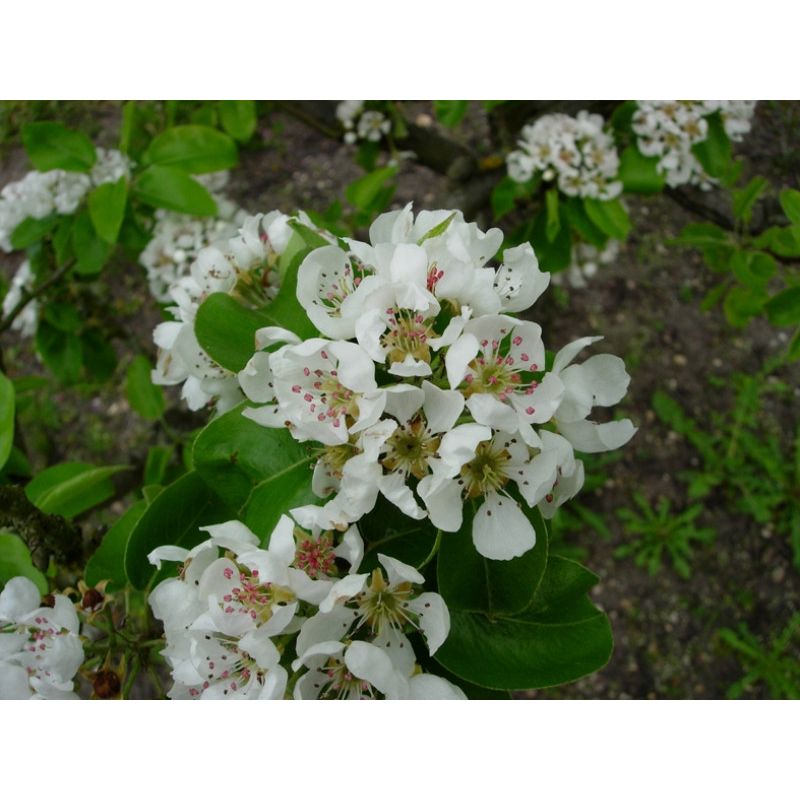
(790, 203)
(169, 187)
(31, 230)
(386, 530)
(505, 195)
(561, 638)
(784, 307)
(238, 117)
(71, 488)
(146, 399)
(277, 495)
(50, 145)
(90, 250)
(226, 330)
(610, 216)
(107, 209)
(194, 149)
(15, 560)
(470, 582)
(174, 517)
(745, 199)
(63, 316)
(6, 418)
(108, 561)
(450, 112)
(234, 455)
(639, 173)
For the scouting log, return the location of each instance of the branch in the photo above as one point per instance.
(701, 209)
(27, 295)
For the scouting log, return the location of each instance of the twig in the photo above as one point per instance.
(27, 295)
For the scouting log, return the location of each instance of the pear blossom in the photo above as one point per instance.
(40, 647)
(574, 151)
(668, 129)
(359, 123)
(22, 283)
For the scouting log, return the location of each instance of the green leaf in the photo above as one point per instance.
(622, 116)
(553, 226)
(639, 173)
(755, 279)
(578, 219)
(15, 560)
(50, 145)
(155, 467)
(90, 250)
(61, 353)
(71, 488)
(387, 531)
(194, 149)
(437, 230)
(238, 118)
(171, 188)
(505, 195)
(107, 209)
(62, 240)
(226, 330)
(715, 153)
(470, 582)
(704, 234)
(146, 399)
(31, 230)
(561, 637)
(6, 418)
(553, 256)
(174, 517)
(610, 216)
(741, 304)
(127, 126)
(108, 561)
(745, 199)
(450, 112)
(790, 203)
(234, 455)
(277, 495)
(784, 307)
(363, 193)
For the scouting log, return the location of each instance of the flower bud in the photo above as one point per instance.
(92, 600)
(106, 684)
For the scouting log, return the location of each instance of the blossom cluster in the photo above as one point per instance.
(668, 129)
(177, 239)
(424, 389)
(40, 646)
(573, 151)
(360, 123)
(21, 284)
(296, 619)
(40, 194)
(244, 266)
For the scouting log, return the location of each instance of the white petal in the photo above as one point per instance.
(458, 446)
(592, 437)
(519, 280)
(14, 683)
(410, 367)
(347, 587)
(403, 401)
(486, 409)
(566, 354)
(281, 541)
(398, 572)
(442, 407)
(232, 535)
(255, 379)
(325, 627)
(432, 687)
(19, 597)
(371, 664)
(434, 618)
(500, 531)
(442, 498)
(458, 357)
(393, 487)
